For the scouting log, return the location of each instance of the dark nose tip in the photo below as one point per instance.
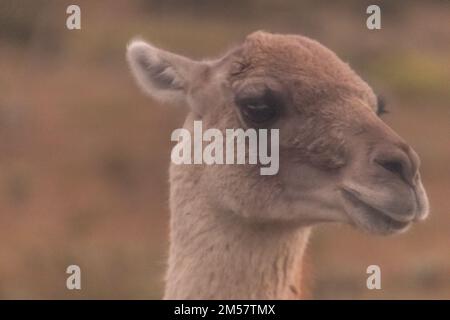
(398, 160)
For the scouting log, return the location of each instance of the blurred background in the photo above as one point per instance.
(84, 154)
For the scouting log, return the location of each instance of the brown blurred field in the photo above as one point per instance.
(84, 154)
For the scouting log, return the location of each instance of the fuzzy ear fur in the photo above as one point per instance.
(161, 74)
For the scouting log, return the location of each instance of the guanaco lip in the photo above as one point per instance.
(373, 212)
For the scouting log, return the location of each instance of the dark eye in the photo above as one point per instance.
(259, 110)
(381, 106)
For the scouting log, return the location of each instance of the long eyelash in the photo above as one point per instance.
(381, 106)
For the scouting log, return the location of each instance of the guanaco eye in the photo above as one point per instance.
(259, 110)
(381, 106)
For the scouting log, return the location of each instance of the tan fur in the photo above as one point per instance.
(238, 235)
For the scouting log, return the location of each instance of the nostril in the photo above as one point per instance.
(393, 166)
(396, 161)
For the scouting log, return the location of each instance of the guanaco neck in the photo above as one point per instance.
(220, 255)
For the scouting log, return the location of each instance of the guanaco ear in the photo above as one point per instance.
(163, 75)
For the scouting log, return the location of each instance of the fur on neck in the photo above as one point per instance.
(217, 254)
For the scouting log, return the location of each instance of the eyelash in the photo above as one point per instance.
(381, 106)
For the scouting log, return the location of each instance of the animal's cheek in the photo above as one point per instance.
(327, 153)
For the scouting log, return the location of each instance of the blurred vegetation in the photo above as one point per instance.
(84, 154)
(418, 75)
